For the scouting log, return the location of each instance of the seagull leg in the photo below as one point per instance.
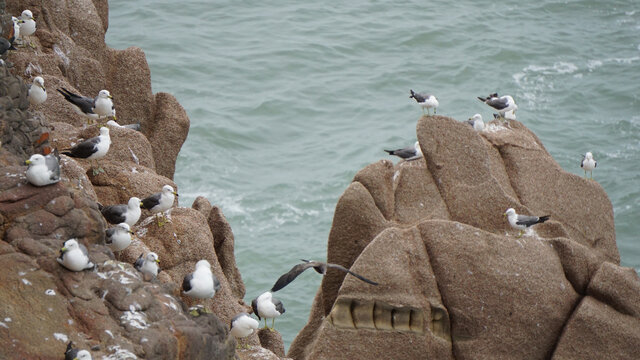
(265, 323)
(273, 324)
(520, 234)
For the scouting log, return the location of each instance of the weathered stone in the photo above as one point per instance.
(271, 340)
(223, 241)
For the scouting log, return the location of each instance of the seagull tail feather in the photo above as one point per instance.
(391, 152)
(482, 99)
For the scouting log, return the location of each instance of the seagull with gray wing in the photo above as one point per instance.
(588, 163)
(160, 202)
(43, 170)
(118, 237)
(148, 266)
(409, 153)
(92, 149)
(121, 213)
(201, 284)
(99, 107)
(267, 307)
(522, 222)
(503, 103)
(319, 267)
(74, 256)
(426, 101)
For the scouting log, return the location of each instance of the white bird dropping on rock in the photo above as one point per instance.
(522, 222)
(201, 284)
(267, 307)
(588, 164)
(43, 170)
(74, 256)
(118, 237)
(426, 101)
(148, 266)
(243, 325)
(37, 92)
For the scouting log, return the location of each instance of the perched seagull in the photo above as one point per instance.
(76, 354)
(503, 104)
(37, 92)
(118, 237)
(94, 148)
(135, 127)
(16, 27)
(267, 307)
(409, 153)
(243, 325)
(148, 266)
(426, 101)
(160, 202)
(476, 122)
(129, 214)
(6, 45)
(319, 267)
(201, 284)
(43, 170)
(522, 222)
(588, 164)
(74, 256)
(28, 25)
(101, 106)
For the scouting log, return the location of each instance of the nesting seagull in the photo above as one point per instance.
(201, 284)
(319, 267)
(100, 107)
(522, 222)
(76, 354)
(92, 149)
(43, 170)
(476, 122)
(27, 25)
(243, 325)
(148, 266)
(588, 164)
(74, 256)
(135, 127)
(37, 92)
(426, 101)
(118, 237)
(409, 153)
(121, 213)
(503, 104)
(160, 202)
(267, 307)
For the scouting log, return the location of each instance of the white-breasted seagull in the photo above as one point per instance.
(37, 92)
(94, 148)
(243, 325)
(201, 283)
(118, 237)
(121, 213)
(160, 202)
(503, 103)
(43, 170)
(74, 256)
(409, 153)
(148, 266)
(426, 101)
(267, 307)
(522, 222)
(588, 163)
(476, 122)
(93, 108)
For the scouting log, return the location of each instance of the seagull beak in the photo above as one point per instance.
(141, 205)
(131, 232)
(27, 162)
(175, 193)
(64, 249)
(110, 97)
(158, 261)
(504, 215)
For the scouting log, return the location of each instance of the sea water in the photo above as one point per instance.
(289, 99)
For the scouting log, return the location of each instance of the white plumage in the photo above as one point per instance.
(201, 283)
(118, 237)
(37, 92)
(43, 170)
(243, 325)
(74, 256)
(28, 26)
(148, 266)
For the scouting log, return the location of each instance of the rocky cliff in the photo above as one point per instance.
(110, 310)
(455, 281)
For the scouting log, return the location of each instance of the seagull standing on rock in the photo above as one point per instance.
(503, 104)
(43, 170)
(243, 325)
(201, 284)
(129, 213)
(409, 153)
(101, 106)
(588, 164)
(37, 92)
(426, 101)
(27, 25)
(160, 202)
(92, 149)
(522, 222)
(118, 237)
(267, 307)
(476, 122)
(74, 256)
(148, 266)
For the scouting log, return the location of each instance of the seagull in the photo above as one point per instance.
(426, 101)
(135, 127)
(319, 267)
(267, 307)
(76, 354)
(160, 202)
(118, 237)
(28, 25)
(409, 153)
(74, 256)
(522, 222)
(476, 122)
(101, 106)
(588, 163)
(37, 92)
(94, 148)
(129, 214)
(6, 45)
(201, 284)
(148, 266)
(503, 104)
(43, 170)
(16, 27)
(243, 325)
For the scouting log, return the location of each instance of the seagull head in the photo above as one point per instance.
(39, 81)
(35, 159)
(83, 355)
(510, 212)
(476, 117)
(125, 227)
(169, 190)
(105, 94)
(203, 264)
(69, 245)
(134, 202)
(588, 155)
(104, 131)
(27, 14)
(153, 257)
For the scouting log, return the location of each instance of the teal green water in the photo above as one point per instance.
(288, 100)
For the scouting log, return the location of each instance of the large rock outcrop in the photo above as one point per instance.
(455, 281)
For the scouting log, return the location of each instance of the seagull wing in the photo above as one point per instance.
(278, 304)
(405, 153)
(342, 268)
(115, 214)
(139, 262)
(498, 103)
(254, 306)
(151, 201)
(285, 279)
(418, 97)
(109, 233)
(84, 149)
(53, 165)
(85, 104)
(186, 282)
(530, 220)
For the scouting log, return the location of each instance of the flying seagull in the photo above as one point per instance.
(118, 237)
(148, 266)
(201, 284)
(476, 122)
(76, 354)
(503, 104)
(267, 307)
(43, 170)
(160, 202)
(37, 92)
(121, 213)
(426, 101)
(588, 164)
(522, 222)
(243, 325)
(319, 267)
(100, 107)
(74, 256)
(409, 153)
(92, 149)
